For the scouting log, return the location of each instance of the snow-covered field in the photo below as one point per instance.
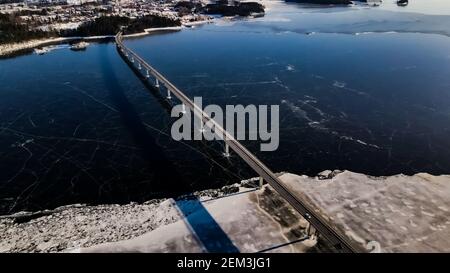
(251, 220)
(396, 213)
(390, 214)
(78, 226)
(247, 223)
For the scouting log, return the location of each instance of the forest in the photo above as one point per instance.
(11, 30)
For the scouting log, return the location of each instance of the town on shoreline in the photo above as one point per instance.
(27, 24)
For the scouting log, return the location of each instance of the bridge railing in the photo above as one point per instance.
(330, 233)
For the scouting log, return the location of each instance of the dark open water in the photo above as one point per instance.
(80, 127)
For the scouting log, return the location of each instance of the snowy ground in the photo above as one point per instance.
(251, 221)
(83, 226)
(384, 214)
(398, 213)
(248, 221)
(390, 214)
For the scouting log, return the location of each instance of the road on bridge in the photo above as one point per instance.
(340, 242)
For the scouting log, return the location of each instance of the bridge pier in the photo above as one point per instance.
(139, 66)
(183, 108)
(202, 126)
(310, 231)
(132, 59)
(227, 150)
(147, 75)
(261, 182)
(157, 83)
(168, 94)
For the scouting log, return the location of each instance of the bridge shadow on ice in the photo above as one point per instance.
(202, 224)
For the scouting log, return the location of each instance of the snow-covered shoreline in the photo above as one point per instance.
(7, 49)
(80, 225)
(11, 48)
(396, 213)
(148, 31)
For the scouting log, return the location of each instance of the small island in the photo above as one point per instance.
(226, 8)
(323, 2)
(402, 3)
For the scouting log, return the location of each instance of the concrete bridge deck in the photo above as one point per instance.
(323, 226)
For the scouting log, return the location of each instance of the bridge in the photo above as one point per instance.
(339, 242)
